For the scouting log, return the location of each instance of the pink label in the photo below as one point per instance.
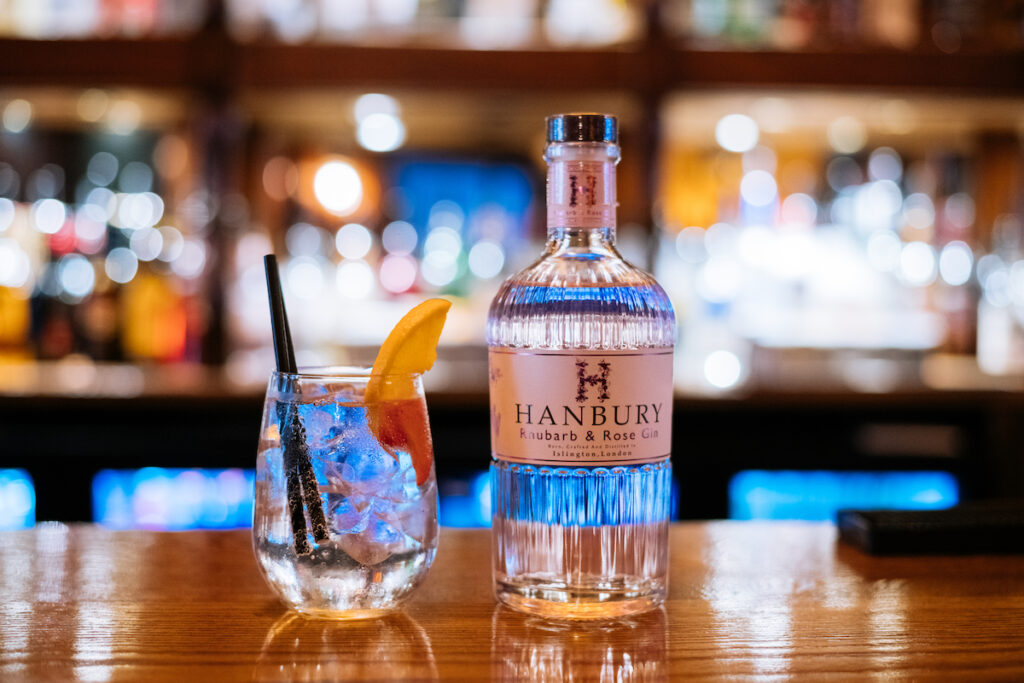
(566, 408)
(581, 194)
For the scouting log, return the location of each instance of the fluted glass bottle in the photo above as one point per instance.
(580, 349)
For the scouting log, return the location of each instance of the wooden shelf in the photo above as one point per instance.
(210, 60)
(97, 63)
(317, 65)
(989, 73)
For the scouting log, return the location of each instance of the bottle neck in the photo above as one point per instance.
(581, 192)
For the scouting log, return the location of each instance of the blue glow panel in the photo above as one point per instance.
(466, 503)
(756, 494)
(17, 500)
(173, 499)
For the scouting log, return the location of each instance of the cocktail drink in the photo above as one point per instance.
(361, 451)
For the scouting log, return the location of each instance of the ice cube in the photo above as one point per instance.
(363, 549)
(415, 516)
(321, 424)
(366, 468)
(349, 514)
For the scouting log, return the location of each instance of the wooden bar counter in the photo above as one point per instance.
(748, 601)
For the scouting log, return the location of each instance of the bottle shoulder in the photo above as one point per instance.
(581, 301)
(581, 270)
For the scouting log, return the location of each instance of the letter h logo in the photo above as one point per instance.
(599, 380)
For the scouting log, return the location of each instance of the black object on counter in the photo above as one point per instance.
(992, 527)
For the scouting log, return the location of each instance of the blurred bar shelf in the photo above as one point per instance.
(63, 428)
(211, 59)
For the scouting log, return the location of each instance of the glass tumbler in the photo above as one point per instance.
(345, 515)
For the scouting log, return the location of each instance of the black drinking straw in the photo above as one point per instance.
(299, 475)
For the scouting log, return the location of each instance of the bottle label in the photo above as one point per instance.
(581, 194)
(567, 408)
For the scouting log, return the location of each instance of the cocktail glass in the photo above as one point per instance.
(368, 465)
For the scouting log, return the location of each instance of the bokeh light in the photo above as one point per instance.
(842, 172)
(17, 116)
(955, 263)
(486, 259)
(92, 105)
(442, 245)
(353, 241)
(758, 188)
(136, 211)
(48, 215)
(15, 267)
(399, 237)
(147, 243)
(303, 239)
(917, 263)
(17, 500)
(124, 117)
(121, 265)
(918, 211)
(885, 164)
(446, 213)
(338, 187)
(101, 204)
(736, 133)
(191, 261)
(959, 210)
(280, 178)
(381, 132)
(135, 177)
(397, 273)
(102, 169)
(690, 245)
(847, 135)
(375, 103)
(90, 233)
(45, 182)
(305, 277)
(173, 243)
(799, 210)
(722, 369)
(7, 211)
(76, 275)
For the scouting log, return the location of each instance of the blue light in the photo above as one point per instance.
(755, 494)
(173, 499)
(466, 502)
(17, 500)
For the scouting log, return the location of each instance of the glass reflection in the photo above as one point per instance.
(300, 649)
(887, 617)
(93, 644)
(753, 619)
(625, 650)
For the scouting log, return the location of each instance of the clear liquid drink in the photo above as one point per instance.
(580, 350)
(377, 497)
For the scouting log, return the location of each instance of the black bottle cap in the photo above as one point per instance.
(583, 128)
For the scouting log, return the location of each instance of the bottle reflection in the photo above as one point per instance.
(300, 649)
(625, 650)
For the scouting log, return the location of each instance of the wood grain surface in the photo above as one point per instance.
(748, 601)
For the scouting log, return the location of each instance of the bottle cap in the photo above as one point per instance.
(583, 128)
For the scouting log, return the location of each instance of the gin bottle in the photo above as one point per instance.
(580, 355)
